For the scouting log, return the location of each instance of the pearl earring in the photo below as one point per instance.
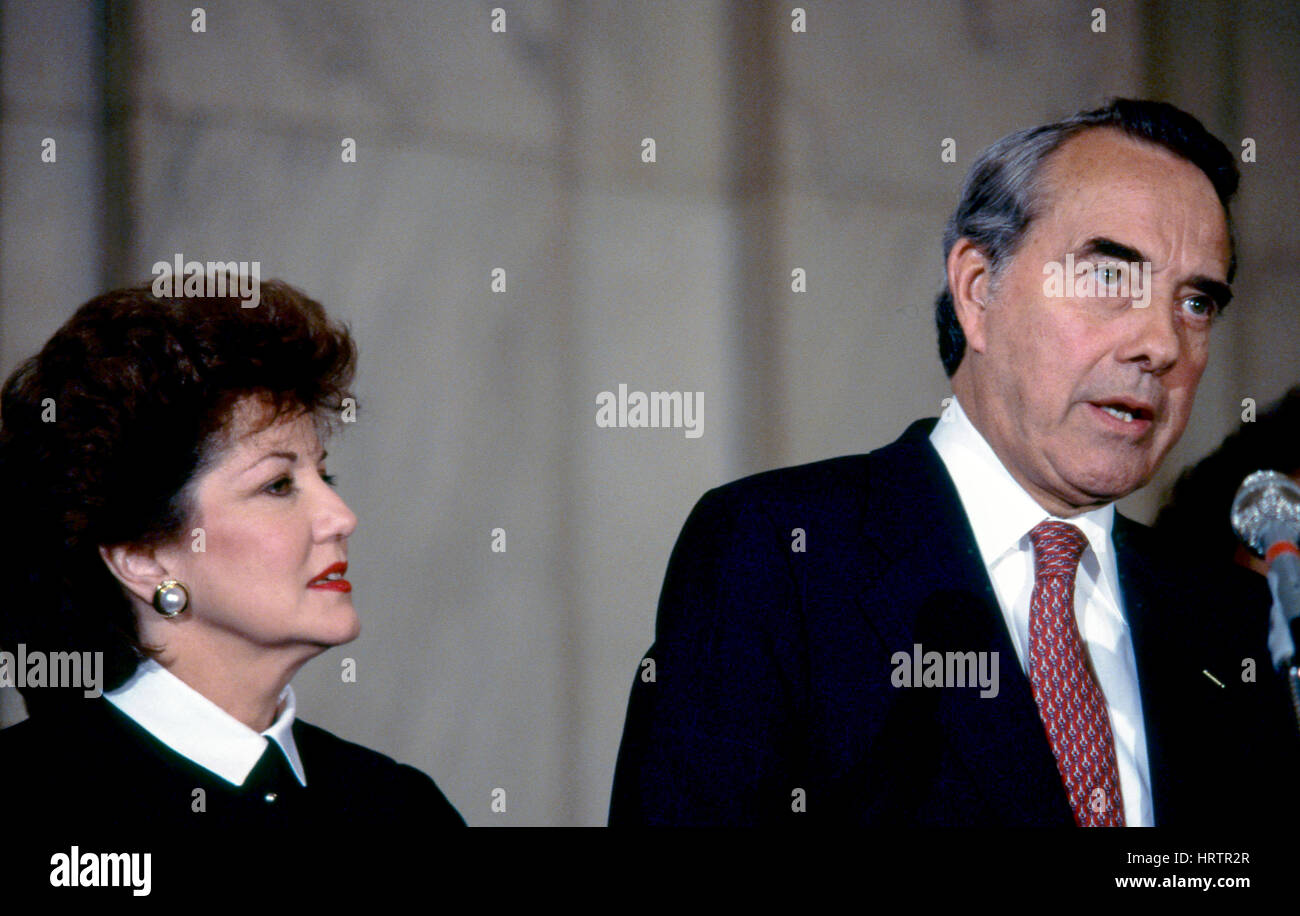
(170, 598)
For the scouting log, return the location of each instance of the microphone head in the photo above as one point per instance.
(1266, 510)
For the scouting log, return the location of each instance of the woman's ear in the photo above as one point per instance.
(136, 568)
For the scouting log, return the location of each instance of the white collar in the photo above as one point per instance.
(195, 727)
(999, 509)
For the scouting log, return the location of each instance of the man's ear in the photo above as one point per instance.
(136, 568)
(969, 278)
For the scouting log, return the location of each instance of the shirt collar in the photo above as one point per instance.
(1000, 511)
(195, 727)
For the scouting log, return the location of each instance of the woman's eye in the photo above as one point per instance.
(281, 486)
(330, 479)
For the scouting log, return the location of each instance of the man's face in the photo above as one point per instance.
(1043, 360)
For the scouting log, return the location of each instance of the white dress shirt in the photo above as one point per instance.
(1001, 514)
(200, 730)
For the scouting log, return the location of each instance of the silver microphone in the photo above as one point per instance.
(1266, 516)
(1266, 510)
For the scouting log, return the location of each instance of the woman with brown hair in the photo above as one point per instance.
(168, 506)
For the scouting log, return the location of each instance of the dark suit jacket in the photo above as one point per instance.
(89, 775)
(772, 667)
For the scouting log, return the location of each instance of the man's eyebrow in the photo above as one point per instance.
(1220, 292)
(1111, 249)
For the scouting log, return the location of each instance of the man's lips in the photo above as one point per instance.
(338, 584)
(1139, 409)
(1141, 422)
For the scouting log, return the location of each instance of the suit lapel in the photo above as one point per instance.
(914, 520)
(1177, 700)
(1136, 586)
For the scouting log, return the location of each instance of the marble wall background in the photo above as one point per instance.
(522, 150)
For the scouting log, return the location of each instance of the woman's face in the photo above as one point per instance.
(272, 527)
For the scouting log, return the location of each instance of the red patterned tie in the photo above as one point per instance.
(1070, 702)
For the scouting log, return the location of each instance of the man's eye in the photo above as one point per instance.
(1205, 306)
(1108, 276)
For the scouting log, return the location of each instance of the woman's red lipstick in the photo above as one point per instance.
(338, 584)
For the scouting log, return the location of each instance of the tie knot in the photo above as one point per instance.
(1057, 548)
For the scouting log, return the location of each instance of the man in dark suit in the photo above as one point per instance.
(958, 629)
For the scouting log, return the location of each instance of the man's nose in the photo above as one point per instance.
(1155, 340)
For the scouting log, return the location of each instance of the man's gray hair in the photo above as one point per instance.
(1002, 191)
